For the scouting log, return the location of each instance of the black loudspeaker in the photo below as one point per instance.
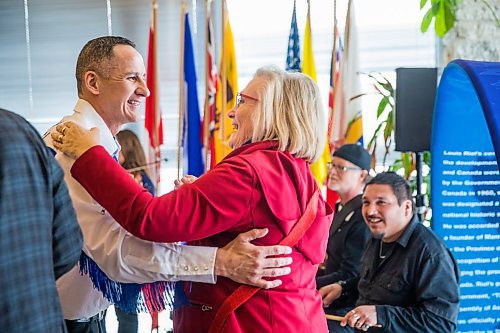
(415, 94)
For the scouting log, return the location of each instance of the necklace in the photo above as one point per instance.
(380, 251)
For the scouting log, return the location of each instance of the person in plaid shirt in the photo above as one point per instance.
(40, 239)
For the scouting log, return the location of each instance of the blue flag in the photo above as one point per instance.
(191, 132)
(293, 54)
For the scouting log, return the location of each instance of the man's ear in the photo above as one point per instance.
(408, 208)
(364, 174)
(91, 82)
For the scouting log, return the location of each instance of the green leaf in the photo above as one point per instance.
(435, 7)
(357, 96)
(378, 89)
(443, 12)
(382, 105)
(375, 135)
(374, 157)
(427, 157)
(388, 127)
(426, 21)
(390, 119)
(387, 86)
(422, 3)
(396, 166)
(440, 21)
(383, 83)
(449, 16)
(407, 164)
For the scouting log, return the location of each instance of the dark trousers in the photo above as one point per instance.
(95, 324)
(127, 322)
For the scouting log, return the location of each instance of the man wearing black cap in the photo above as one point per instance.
(348, 174)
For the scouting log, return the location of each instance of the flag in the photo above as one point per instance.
(223, 127)
(293, 53)
(331, 196)
(347, 121)
(318, 168)
(308, 66)
(210, 96)
(334, 80)
(191, 131)
(153, 121)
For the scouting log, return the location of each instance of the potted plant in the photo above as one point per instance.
(384, 132)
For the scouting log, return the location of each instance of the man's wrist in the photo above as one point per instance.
(218, 266)
(343, 285)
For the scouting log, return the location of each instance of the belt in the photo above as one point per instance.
(98, 317)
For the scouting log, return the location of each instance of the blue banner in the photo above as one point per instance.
(191, 131)
(465, 150)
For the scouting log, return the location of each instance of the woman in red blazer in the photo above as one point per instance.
(265, 182)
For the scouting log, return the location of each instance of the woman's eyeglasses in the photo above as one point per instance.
(240, 98)
(340, 168)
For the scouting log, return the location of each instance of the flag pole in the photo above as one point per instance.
(347, 26)
(222, 118)
(333, 74)
(343, 115)
(181, 89)
(206, 114)
(156, 120)
(334, 51)
(155, 25)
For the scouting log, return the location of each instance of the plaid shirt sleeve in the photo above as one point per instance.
(39, 236)
(67, 239)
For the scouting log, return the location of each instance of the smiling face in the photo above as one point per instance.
(123, 89)
(346, 182)
(241, 115)
(383, 214)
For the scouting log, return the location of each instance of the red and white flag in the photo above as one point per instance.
(153, 121)
(210, 97)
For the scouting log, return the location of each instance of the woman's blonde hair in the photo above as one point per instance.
(290, 111)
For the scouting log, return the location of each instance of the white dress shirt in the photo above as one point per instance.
(122, 256)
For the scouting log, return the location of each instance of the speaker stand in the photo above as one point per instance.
(419, 198)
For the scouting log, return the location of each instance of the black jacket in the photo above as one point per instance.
(346, 243)
(415, 288)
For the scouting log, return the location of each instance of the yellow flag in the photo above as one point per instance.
(308, 66)
(318, 168)
(223, 127)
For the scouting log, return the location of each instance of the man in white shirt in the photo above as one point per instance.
(110, 76)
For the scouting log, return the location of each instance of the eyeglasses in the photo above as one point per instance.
(240, 98)
(340, 168)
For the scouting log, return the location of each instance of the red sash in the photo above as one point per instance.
(245, 292)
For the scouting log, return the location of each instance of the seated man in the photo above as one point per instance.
(348, 174)
(408, 280)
